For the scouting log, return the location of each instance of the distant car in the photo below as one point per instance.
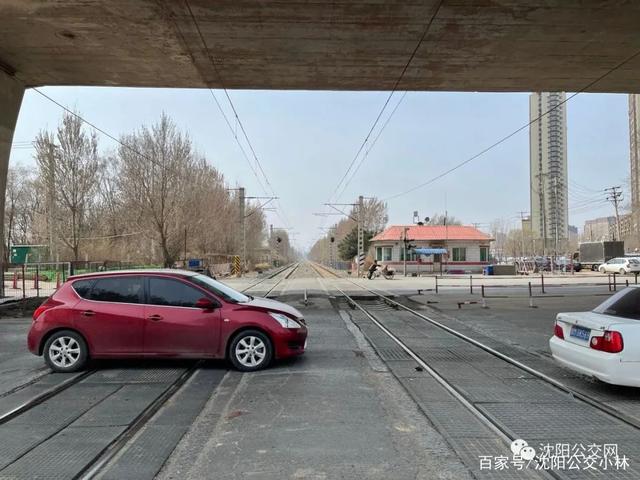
(161, 313)
(542, 263)
(564, 263)
(603, 343)
(620, 265)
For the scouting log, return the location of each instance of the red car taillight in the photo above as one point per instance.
(558, 332)
(48, 303)
(610, 342)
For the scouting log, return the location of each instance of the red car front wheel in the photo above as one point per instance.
(250, 350)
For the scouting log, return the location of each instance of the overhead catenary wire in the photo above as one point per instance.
(388, 99)
(280, 211)
(368, 150)
(516, 131)
(93, 125)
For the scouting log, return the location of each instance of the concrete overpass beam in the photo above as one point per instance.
(11, 92)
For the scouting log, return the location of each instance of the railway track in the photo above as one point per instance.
(383, 304)
(35, 451)
(287, 270)
(584, 397)
(285, 277)
(99, 464)
(42, 397)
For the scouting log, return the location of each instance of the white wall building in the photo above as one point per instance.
(467, 248)
(548, 169)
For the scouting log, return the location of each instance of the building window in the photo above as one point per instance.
(383, 254)
(459, 254)
(484, 254)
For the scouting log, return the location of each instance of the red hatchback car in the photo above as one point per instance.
(162, 314)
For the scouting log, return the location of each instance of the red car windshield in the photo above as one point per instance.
(220, 289)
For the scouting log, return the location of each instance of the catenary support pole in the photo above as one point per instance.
(360, 235)
(243, 229)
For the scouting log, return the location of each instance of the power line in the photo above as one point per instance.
(235, 113)
(92, 125)
(393, 90)
(233, 133)
(515, 132)
(375, 140)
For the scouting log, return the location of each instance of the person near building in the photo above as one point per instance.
(372, 269)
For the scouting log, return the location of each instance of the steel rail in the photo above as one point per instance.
(273, 287)
(580, 395)
(38, 399)
(97, 465)
(268, 277)
(504, 434)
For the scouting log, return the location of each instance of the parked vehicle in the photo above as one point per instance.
(594, 254)
(603, 343)
(620, 265)
(162, 313)
(542, 264)
(565, 264)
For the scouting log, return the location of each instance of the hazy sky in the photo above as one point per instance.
(306, 140)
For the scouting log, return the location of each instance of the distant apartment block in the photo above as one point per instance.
(548, 168)
(634, 144)
(599, 229)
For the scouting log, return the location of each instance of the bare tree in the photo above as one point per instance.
(154, 167)
(20, 205)
(443, 219)
(69, 166)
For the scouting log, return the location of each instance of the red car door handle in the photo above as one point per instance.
(88, 313)
(155, 318)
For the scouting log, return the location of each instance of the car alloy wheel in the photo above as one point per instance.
(622, 271)
(250, 351)
(65, 351)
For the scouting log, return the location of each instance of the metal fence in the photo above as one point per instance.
(19, 281)
(32, 280)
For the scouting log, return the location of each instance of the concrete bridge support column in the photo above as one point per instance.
(11, 92)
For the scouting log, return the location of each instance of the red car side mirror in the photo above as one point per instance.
(205, 304)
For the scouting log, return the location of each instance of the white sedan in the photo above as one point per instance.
(620, 265)
(603, 343)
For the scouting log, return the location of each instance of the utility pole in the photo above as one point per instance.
(614, 194)
(242, 221)
(185, 247)
(51, 188)
(359, 219)
(522, 229)
(242, 228)
(360, 235)
(404, 246)
(543, 208)
(271, 246)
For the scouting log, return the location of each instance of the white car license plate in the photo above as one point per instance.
(580, 332)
